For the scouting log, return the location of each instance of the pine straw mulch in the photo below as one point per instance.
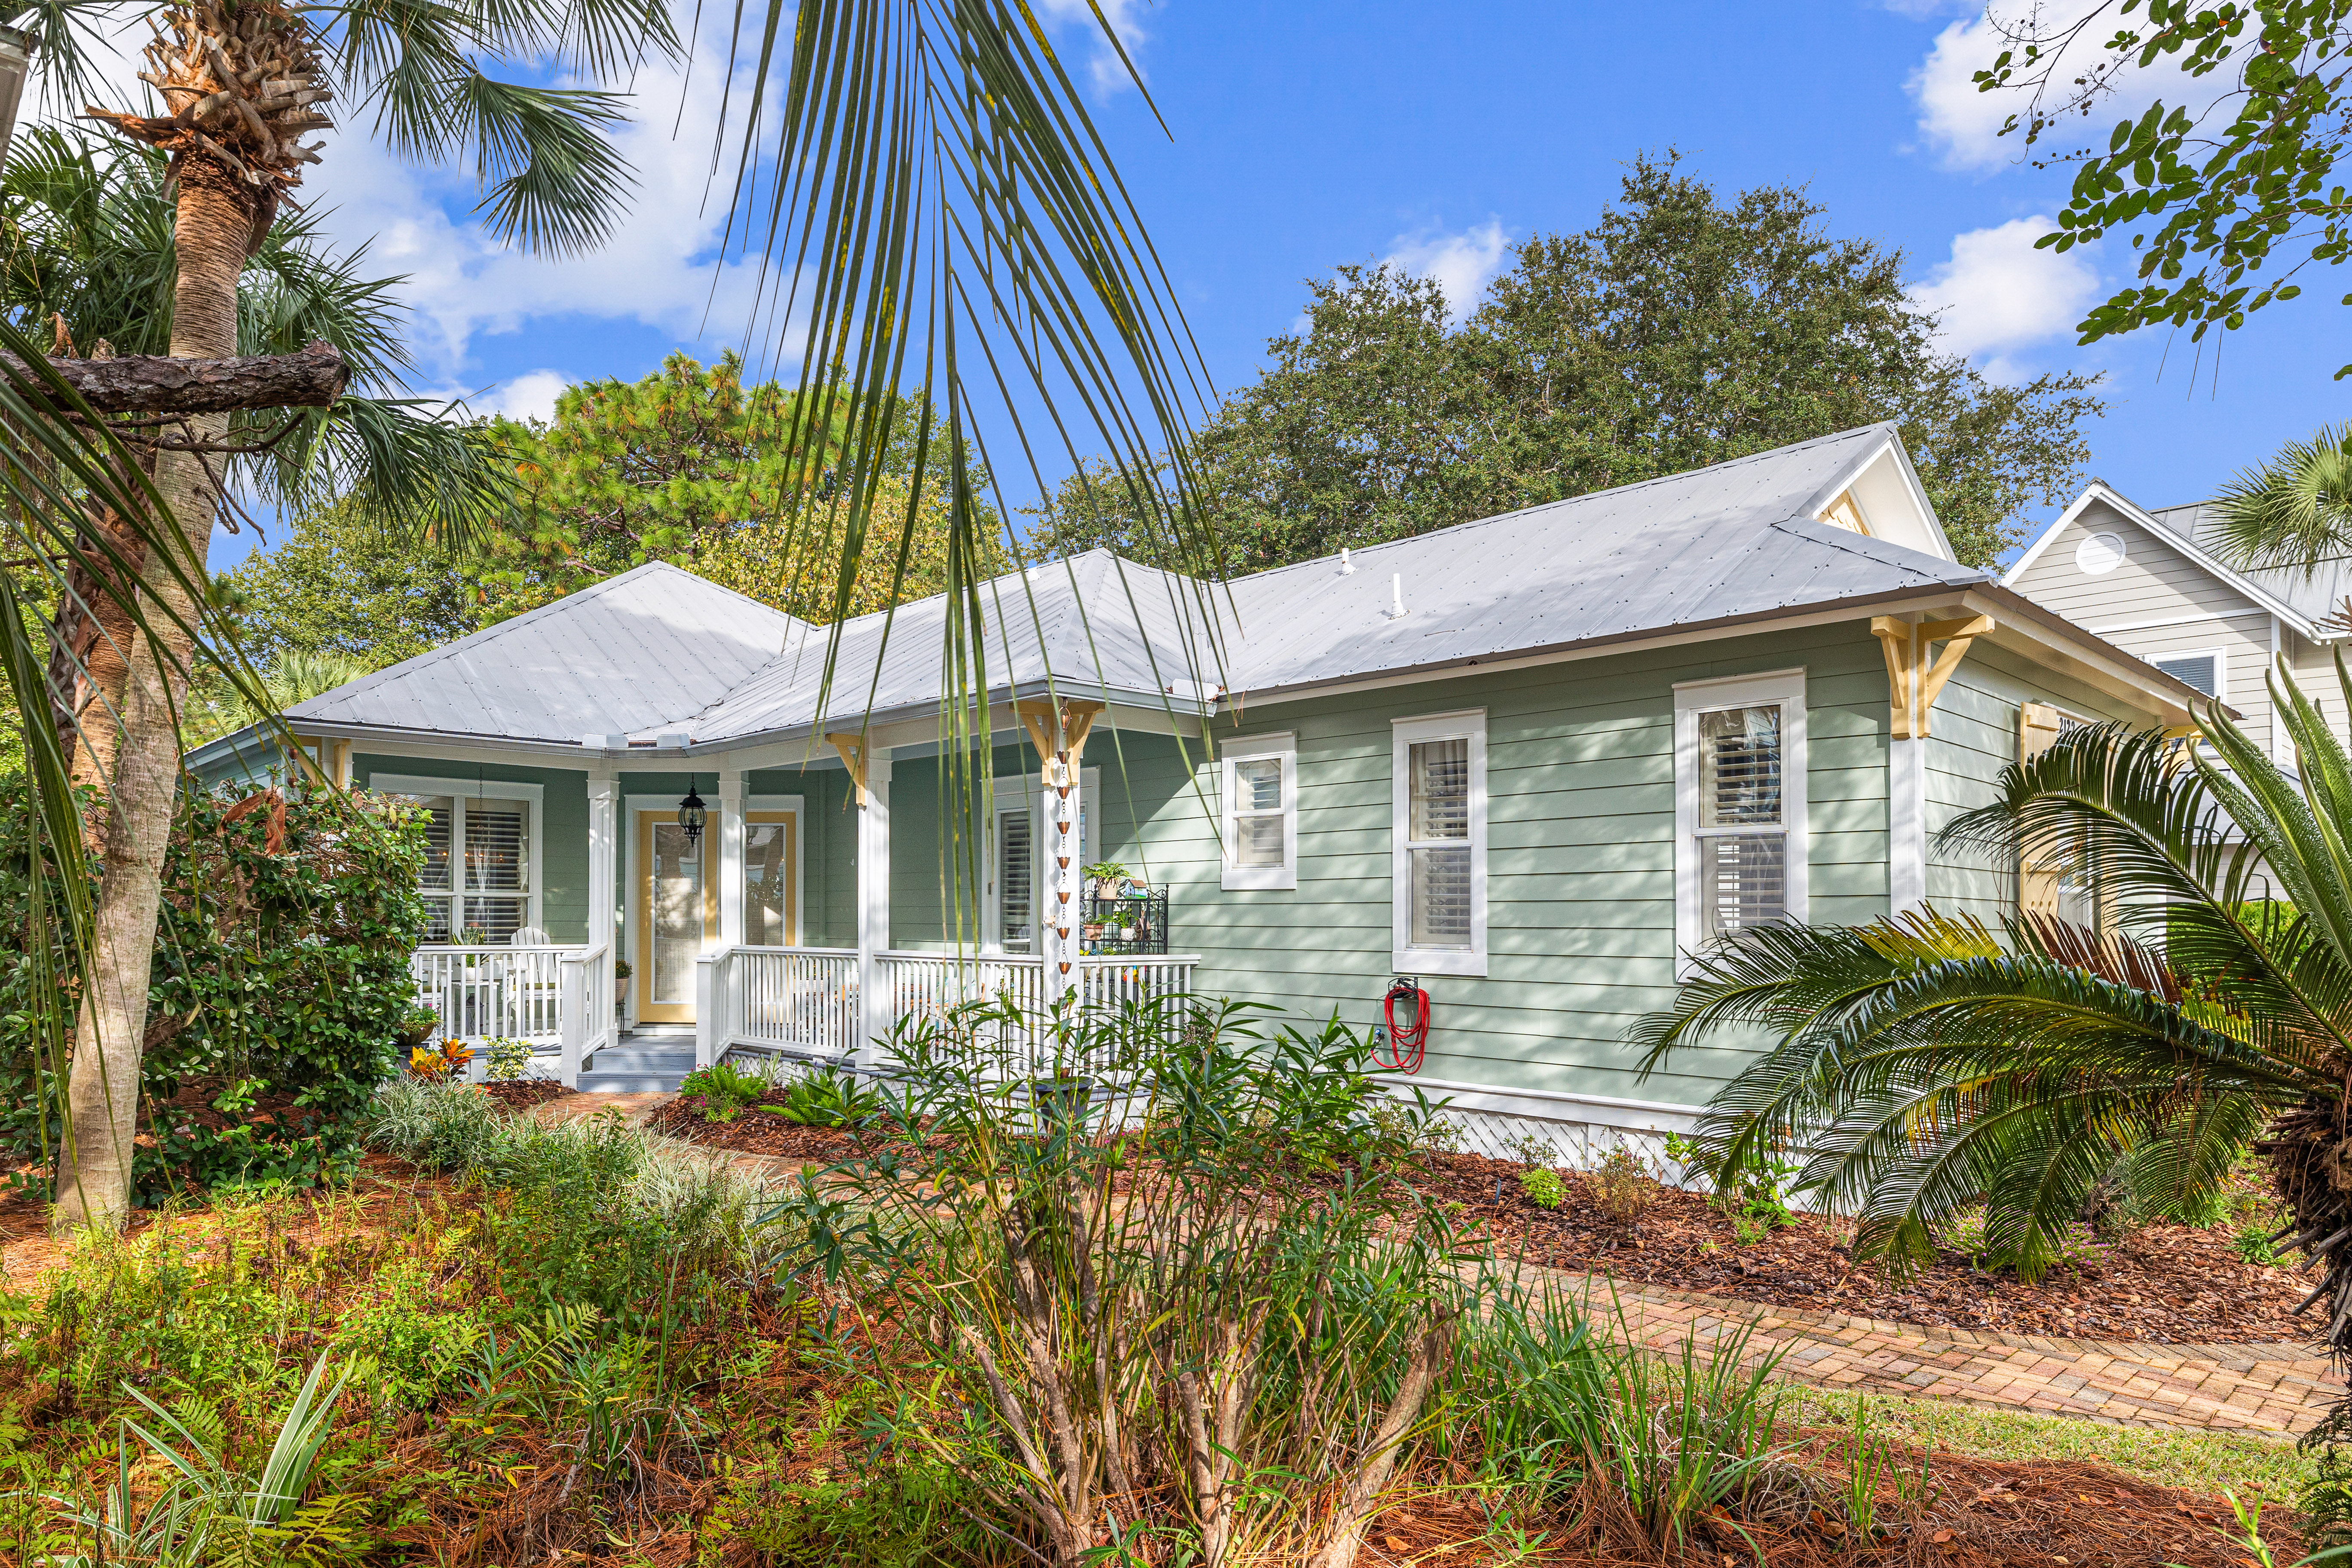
(2167, 1284)
(1981, 1513)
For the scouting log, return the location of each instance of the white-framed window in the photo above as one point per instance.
(1260, 785)
(1740, 847)
(1438, 769)
(481, 874)
(1018, 881)
(771, 870)
(2208, 670)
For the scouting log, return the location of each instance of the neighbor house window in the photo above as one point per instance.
(480, 877)
(1439, 844)
(1740, 807)
(1261, 796)
(2201, 671)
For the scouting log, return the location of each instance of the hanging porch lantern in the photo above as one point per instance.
(690, 813)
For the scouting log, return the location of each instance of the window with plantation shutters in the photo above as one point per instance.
(1261, 821)
(478, 876)
(1441, 845)
(1740, 848)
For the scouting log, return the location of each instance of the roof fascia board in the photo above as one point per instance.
(2098, 662)
(2101, 491)
(898, 727)
(554, 754)
(2050, 534)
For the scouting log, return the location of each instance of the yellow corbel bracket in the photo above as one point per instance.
(1054, 729)
(853, 757)
(1913, 680)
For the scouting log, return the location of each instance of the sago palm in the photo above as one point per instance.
(1922, 1065)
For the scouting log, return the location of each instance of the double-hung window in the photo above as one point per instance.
(1439, 772)
(1740, 807)
(1261, 796)
(480, 877)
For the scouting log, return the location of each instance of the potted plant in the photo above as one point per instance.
(621, 972)
(1109, 879)
(416, 1026)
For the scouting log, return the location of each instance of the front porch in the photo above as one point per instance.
(763, 920)
(800, 1003)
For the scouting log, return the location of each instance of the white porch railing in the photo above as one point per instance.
(804, 999)
(542, 994)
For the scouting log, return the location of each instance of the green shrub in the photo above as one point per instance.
(824, 1097)
(1543, 1186)
(509, 1057)
(280, 986)
(726, 1090)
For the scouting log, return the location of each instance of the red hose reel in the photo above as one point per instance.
(1408, 1038)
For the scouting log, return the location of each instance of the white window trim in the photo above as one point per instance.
(1693, 698)
(1283, 746)
(794, 804)
(479, 789)
(1405, 958)
(1028, 789)
(2221, 658)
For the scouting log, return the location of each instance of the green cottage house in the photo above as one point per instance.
(1532, 762)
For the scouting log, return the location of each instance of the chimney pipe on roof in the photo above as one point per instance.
(1396, 595)
(1347, 567)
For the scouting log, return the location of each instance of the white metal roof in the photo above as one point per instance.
(658, 652)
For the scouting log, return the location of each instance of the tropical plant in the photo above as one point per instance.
(826, 1098)
(1146, 1325)
(936, 191)
(2293, 512)
(1926, 1064)
(211, 1512)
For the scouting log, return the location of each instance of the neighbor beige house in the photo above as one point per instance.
(2154, 585)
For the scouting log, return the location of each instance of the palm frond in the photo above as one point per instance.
(2294, 512)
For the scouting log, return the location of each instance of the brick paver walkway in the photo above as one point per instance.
(2235, 1387)
(2280, 1388)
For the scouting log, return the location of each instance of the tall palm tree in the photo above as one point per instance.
(1925, 1064)
(939, 215)
(2293, 512)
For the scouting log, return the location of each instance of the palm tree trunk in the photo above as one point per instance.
(89, 644)
(215, 221)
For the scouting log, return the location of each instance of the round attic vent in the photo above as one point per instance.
(2099, 553)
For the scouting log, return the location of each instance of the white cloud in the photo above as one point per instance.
(1461, 264)
(1108, 71)
(530, 395)
(1962, 125)
(658, 267)
(1998, 294)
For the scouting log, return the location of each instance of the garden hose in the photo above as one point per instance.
(1409, 1041)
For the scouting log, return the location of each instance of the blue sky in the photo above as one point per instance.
(1310, 133)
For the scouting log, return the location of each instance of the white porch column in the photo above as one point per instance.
(1063, 926)
(603, 893)
(708, 1030)
(730, 858)
(874, 1000)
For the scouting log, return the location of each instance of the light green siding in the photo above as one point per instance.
(1580, 924)
(1972, 736)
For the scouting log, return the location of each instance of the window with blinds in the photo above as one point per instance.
(2201, 671)
(477, 873)
(1260, 812)
(1438, 840)
(1743, 838)
(1441, 915)
(1017, 880)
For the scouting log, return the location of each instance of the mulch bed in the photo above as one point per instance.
(526, 1093)
(756, 1133)
(2164, 1283)
(1985, 1513)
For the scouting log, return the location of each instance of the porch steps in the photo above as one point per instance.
(647, 1061)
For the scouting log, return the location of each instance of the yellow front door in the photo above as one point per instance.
(678, 916)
